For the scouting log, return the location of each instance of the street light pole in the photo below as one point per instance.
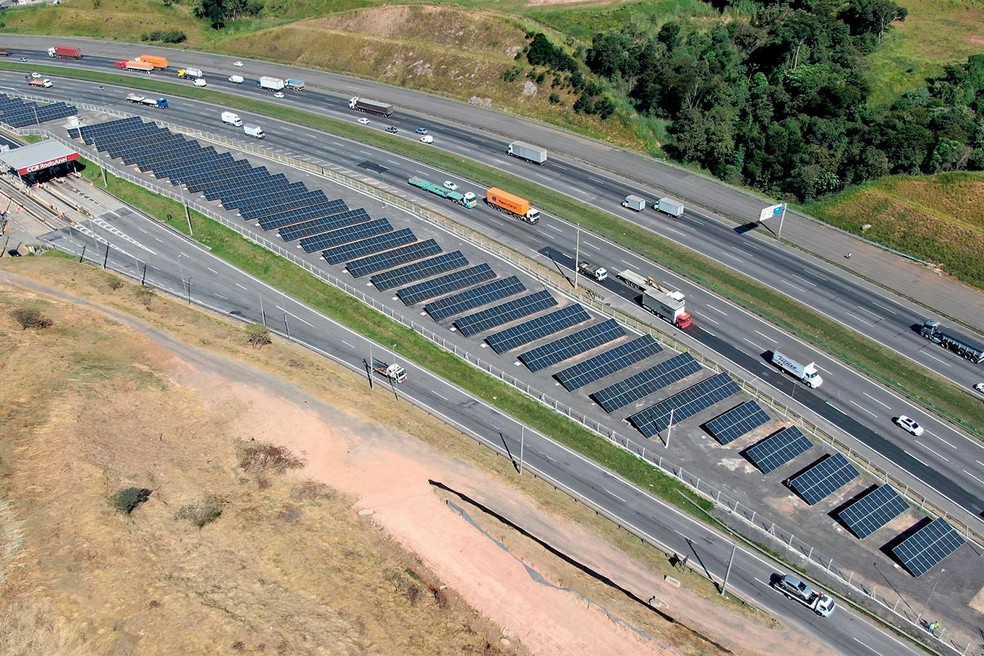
(522, 444)
(781, 217)
(724, 585)
(669, 428)
(577, 253)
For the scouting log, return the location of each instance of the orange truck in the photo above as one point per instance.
(510, 204)
(134, 65)
(157, 62)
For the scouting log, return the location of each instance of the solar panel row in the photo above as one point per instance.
(608, 362)
(778, 449)
(824, 478)
(684, 404)
(866, 515)
(364, 247)
(451, 282)
(537, 328)
(418, 271)
(644, 383)
(395, 257)
(928, 546)
(736, 422)
(504, 313)
(21, 113)
(574, 344)
(349, 234)
(473, 298)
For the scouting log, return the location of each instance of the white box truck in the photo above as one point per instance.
(634, 203)
(793, 588)
(237, 79)
(804, 372)
(668, 305)
(528, 152)
(670, 206)
(232, 118)
(254, 131)
(593, 270)
(271, 83)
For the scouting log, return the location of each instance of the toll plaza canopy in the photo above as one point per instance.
(37, 157)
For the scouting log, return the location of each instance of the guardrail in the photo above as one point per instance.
(550, 278)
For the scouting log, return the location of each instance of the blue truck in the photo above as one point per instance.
(466, 199)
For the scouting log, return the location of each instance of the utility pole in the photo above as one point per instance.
(724, 586)
(577, 253)
(522, 444)
(669, 428)
(781, 217)
(187, 213)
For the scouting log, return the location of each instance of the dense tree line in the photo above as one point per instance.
(780, 102)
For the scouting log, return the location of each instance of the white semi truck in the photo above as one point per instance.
(528, 152)
(794, 367)
(271, 83)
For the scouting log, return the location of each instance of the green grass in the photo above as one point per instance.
(905, 377)
(583, 22)
(272, 269)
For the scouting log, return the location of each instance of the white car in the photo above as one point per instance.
(201, 83)
(363, 121)
(279, 94)
(35, 76)
(979, 387)
(909, 425)
(450, 185)
(427, 139)
(237, 64)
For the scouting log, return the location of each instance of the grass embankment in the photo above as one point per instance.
(230, 246)
(907, 378)
(937, 218)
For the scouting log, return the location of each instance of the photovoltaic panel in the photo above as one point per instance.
(452, 282)
(824, 478)
(504, 313)
(646, 382)
(571, 345)
(684, 404)
(350, 233)
(928, 546)
(473, 298)
(418, 271)
(369, 246)
(607, 363)
(736, 422)
(395, 257)
(329, 221)
(872, 511)
(778, 449)
(537, 328)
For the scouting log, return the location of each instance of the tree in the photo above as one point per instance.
(872, 17)
(213, 11)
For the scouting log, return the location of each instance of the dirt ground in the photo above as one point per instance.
(356, 552)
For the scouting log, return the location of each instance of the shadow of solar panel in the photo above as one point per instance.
(395, 257)
(872, 511)
(364, 247)
(473, 298)
(350, 234)
(607, 363)
(644, 383)
(418, 271)
(572, 345)
(537, 328)
(778, 449)
(684, 404)
(824, 478)
(736, 422)
(326, 223)
(451, 282)
(928, 546)
(504, 313)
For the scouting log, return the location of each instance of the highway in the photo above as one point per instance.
(186, 270)
(943, 460)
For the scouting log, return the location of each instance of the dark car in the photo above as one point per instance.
(392, 130)
(421, 130)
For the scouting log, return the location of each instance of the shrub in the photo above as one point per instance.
(168, 36)
(127, 499)
(261, 457)
(257, 335)
(203, 512)
(31, 318)
(554, 99)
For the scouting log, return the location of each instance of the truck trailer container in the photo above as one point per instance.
(528, 152)
(634, 203)
(271, 83)
(254, 131)
(370, 106)
(931, 330)
(190, 73)
(232, 118)
(668, 305)
(154, 60)
(670, 206)
(394, 372)
(795, 367)
(296, 85)
(795, 589)
(134, 65)
(593, 270)
(506, 202)
(466, 199)
(64, 52)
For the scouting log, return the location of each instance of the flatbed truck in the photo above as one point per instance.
(931, 330)
(394, 372)
(467, 199)
(797, 590)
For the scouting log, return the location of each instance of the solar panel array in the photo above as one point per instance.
(323, 224)
(504, 313)
(778, 449)
(824, 478)
(872, 511)
(646, 382)
(395, 257)
(347, 235)
(451, 282)
(19, 113)
(928, 546)
(473, 298)
(364, 247)
(571, 345)
(736, 422)
(607, 363)
(537, 328)
(418, 271)
(684, 404)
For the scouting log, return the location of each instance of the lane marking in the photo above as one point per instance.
(867, 323)
(727, 254)
(867, 647)
(440, 396)
(877, 401)
(767, 337)
(916, 458)
(291, 314)
(938, 455)
(351, 346)
(588, 244)
(935, 358)
(804, 280)
(861, 407)
(753, 344)
(613, 494)
(973, 477)
(941, 439)
(241, 287)
(793, 285)
(884, 308)
(707, 318)
(212, 270)
(716, 310)
(553, 227)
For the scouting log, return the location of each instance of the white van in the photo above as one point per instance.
(200, 82)
(236, 79)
